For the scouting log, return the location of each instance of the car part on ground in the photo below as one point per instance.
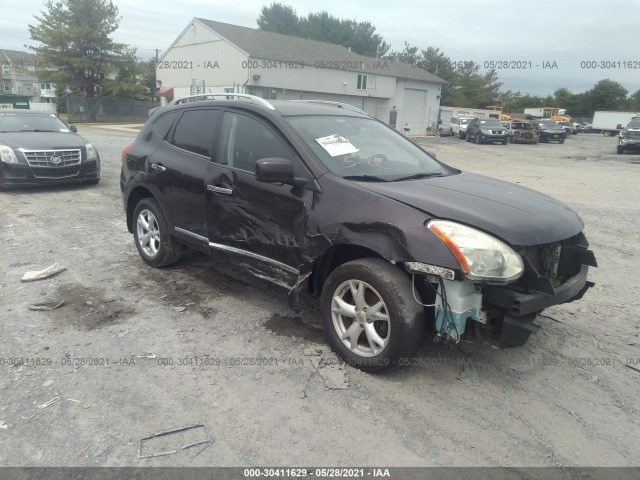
(326, 198)
(37, 148)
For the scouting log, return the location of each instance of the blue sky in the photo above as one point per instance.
(533, 33)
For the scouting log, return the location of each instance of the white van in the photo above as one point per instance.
(459, 126)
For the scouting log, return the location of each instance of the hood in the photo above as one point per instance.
(41, 140)
(518, 215)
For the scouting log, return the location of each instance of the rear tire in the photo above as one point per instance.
(370, 315)
(151, 233)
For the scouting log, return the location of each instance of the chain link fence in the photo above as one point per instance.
(105, 110)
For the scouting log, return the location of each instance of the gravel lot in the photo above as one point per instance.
(135, 350)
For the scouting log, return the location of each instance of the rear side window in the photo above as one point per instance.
(194, 131)
(163, 123)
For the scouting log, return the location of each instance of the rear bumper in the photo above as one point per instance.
(21, 175)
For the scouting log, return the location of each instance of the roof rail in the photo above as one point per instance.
(346, 106)
(211, 96)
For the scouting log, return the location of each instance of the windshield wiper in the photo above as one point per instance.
(39, 130)
(416, 176)
(366, 178)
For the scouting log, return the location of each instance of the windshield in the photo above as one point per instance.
(548, 124)
(365, 149)
(634, 123)
(490, 122)
(564, 124)
(522, 126)
(27, 122)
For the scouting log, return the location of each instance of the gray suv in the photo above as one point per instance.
(482, 130)
(629, 138)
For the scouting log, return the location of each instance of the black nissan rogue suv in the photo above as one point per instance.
(321, 196)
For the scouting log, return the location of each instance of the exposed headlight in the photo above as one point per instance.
(481, 256)
(92, 154)
(7, 154)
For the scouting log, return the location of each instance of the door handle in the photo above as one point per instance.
(224, 191)
(157, 167)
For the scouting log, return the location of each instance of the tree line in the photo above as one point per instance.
(75, 36)
(467, 85)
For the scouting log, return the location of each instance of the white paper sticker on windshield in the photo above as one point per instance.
(336, 145)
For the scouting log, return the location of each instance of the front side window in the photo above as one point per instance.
(194, 131)
(244, 140)
(363, 148)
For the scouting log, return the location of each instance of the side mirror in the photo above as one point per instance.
(274, 170)
(73, 128)
(619, 126)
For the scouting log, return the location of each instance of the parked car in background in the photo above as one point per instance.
(37, 148)
(629, 137)
(550, 131)
(585, 128)
(568, 127)
(522, 131)
(320, 196)
(485, 130)
(459, 126)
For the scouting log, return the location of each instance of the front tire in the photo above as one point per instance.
(478, 139)
(151, 233)
(370, 315)
(619, 150)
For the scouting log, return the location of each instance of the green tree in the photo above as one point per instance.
(605, 95)
(134, 79)
(360, 37)
(279, 18)
(74, 39)
(633, 103)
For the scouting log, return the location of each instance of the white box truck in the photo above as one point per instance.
(608, 122)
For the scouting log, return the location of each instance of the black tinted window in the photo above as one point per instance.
(244, 140)
(163, 123)
(194, 131)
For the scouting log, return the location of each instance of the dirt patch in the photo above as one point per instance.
(294, 327)
(87, 308)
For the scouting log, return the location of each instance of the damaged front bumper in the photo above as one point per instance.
(554, 274)
(521, 309)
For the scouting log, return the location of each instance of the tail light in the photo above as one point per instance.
(126, 151)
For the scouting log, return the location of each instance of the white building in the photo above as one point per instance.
(214, 57)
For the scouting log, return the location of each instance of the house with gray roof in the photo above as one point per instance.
(18, 76)
(215, 57)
